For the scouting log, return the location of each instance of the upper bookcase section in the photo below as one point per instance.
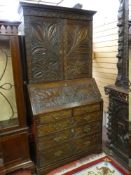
(58, 42)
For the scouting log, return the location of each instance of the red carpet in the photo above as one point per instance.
(102, 166)
(93, 165)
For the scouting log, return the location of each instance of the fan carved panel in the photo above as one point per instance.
(46, 63)
(78, 51)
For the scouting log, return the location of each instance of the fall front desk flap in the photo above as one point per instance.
(49, 97)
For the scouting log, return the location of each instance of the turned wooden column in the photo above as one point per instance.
(123, 53)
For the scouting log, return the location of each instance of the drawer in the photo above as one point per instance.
(53, 116)
(88, 129)
(45, 129)
(54, 154)
(86, 109)
(54, 139)
(83, 143)
(88, 117)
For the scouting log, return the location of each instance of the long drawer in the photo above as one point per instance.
(86, 109)
(55, 153)
(56, 116)
(88, 129)
(87, 117)
(67, 149)
(82, 143)
(45, 129)
(53, 116)
(53, 139)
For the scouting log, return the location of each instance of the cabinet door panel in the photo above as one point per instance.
(77, 55)
(44, 49)
(12, 113)
(8, 111)
(15, 148)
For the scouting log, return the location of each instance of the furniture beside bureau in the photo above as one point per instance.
(65, 103)
(118, 111)
(14, 145)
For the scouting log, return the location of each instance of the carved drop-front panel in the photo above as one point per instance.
(45, 50)
(77, 49)
(48, 96)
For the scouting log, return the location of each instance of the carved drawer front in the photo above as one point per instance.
(84, 143)
(53, 116)
(52, 140)
(86, 109)
(88, 129)
(45, 129)
(88, 117)
(52, 155)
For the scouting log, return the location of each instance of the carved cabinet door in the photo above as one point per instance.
(78, 49)
(44, 49)
(58, 49)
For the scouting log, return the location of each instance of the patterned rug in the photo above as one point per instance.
(103, 166)
(96, 165)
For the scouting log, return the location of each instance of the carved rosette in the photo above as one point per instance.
(123, 54)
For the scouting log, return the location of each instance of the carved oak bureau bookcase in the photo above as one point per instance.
(66, 105)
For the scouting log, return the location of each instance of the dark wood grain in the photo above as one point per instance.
(118, 125)
(66, 105)
(14, 145)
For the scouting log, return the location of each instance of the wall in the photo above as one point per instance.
(105, 47)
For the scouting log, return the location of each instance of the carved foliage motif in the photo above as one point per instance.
(118, 120)
(45, 45)
(121, 124)
(50, 97)
(77, 55)
(123, 55)
(60, 49)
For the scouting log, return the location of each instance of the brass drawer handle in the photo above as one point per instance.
(87, 129)
(56, 117)
(57, 126)
(57, 139)
(72, 130)
(87, 118)
(87, 143)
